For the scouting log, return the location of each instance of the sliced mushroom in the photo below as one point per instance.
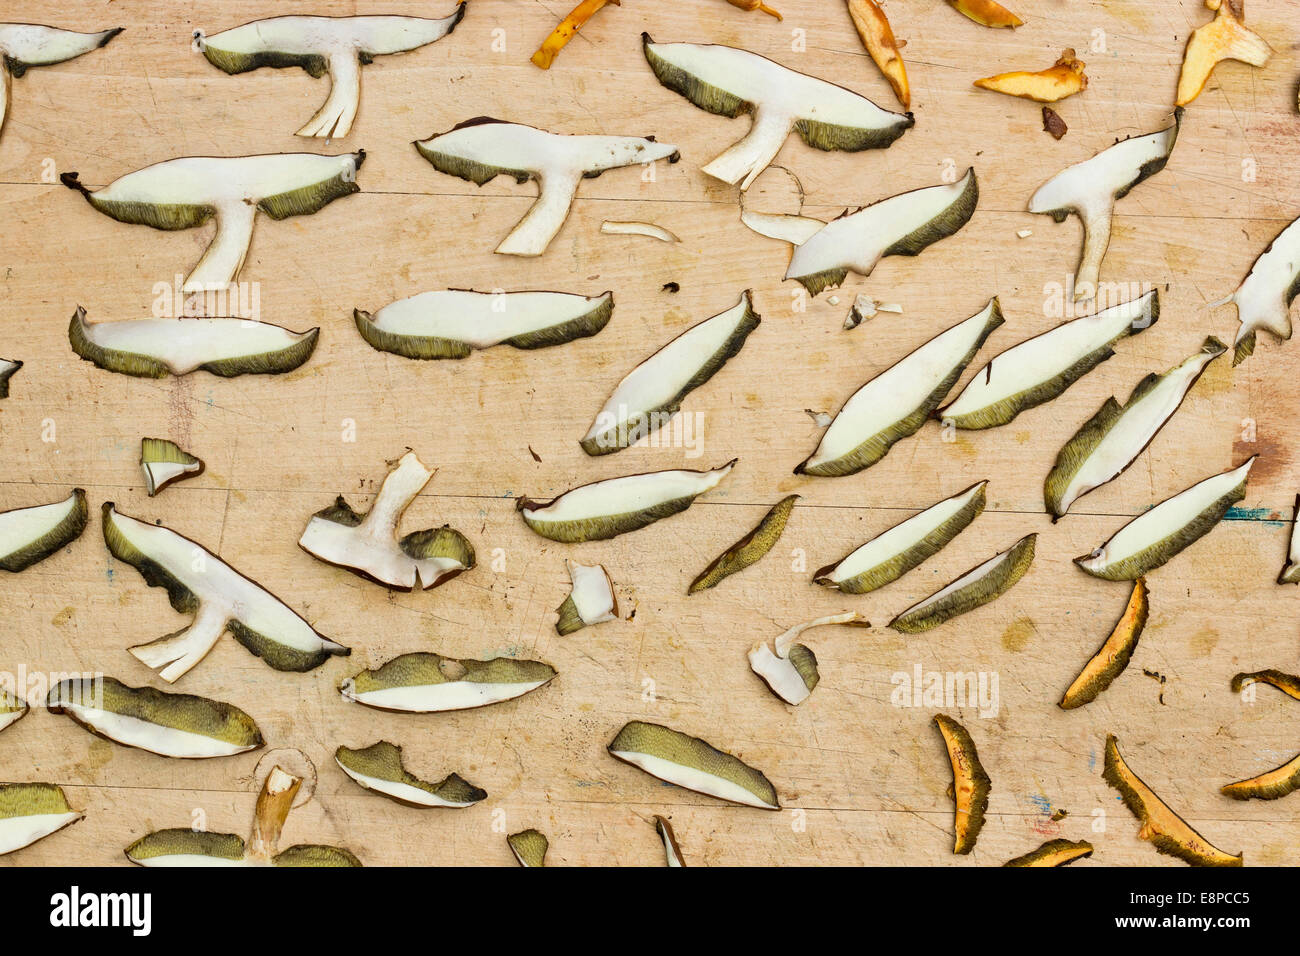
(692, 763)
(1290, 573)
(1054, 853)
(790, 671)
(220, 598)
(379, 768)
(1113, 655)
(1055, 83)
(529, 847)
(1288, 684)
(616, 227)
(748, 550)
(30, 535)
(1264, 298)
(986, 13)
(187, 192)
(672, 852)
(481, 149)
(728, 82)
(24, 45)
(339, 46)
(31, 812)
(1223, 38)
(970, 786)
(12, 708)
(980, 585)
(163, 461)
(897, 402)
(1271, 785)
(7, 369)
(591, 601)
(423, 683)
(878, 38)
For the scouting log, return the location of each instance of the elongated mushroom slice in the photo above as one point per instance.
(31, 812)
(24, 45)
(187, 192)
(164, 461)
(1055, 83)
(728, 82)
(897, 402)
(379, 768)
(791, 670)
(1223, 38)
(615, 227)
(529, 847)
(1037, 370)
(29, 535)
(424, 683)
(652, 393)
(170, 725)
(878, 38)
(1054, 853)
(1271, 785)
(219, 597)
(450, 324)
(566, 30)
(1290, 573)
(986, 13)
(339, 46)
(891, 554)
(672, 852)
(970, 784)
(7, 369)
(692, 763)
(367, 543)
(591, 601)
(1264, 298)
(901, 225)
(793, 229)
(1288, 684)
(156, 348)
(1113, 655)
(750, 6)
(980, 585)
(1165, 830)
(606, 509)
(1106, 444)
(1090, 189)
(481, 149)
(1158, 534)
(12, 709)
(748, 550)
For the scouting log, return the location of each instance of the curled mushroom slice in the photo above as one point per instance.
(1113, 655)
(791, 670)
(24, 45)
(7, 369)
(692, 763)
(1054, 853)
(878, 38)
(1264, 298)
(652, 393)
(1288, 684)
(170, 725)
(1158, 534)
(970, 786)
(529, 847)
(220, 598)
(672, 852)
(1223, 38)
(901, 225)
(481, 149)
(897, 402)
(1055, 83)
(1037, 370)
(29, 535)
(566, 30)
(980, 585)
(1165, 830)
(1106, 444)
(591, 601)
(156, 348)
(616, 227)
(1271, 785)
(339, 46)
(367, 543)
(452, 323)
(986, 13)
(424, 683)
(164, 461)
(31, 812)
(1090, 189)
(891, 554)
(606, 509)
(12, 708)
(379, 768)
(748, 550)
(728, 82)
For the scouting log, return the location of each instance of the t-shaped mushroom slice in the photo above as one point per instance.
(728, 81)
(24, 45)
(187, 192)
(339, 46)
(481, 149)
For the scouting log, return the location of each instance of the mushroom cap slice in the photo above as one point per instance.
(30, 535)
(1114, 654)
(1288, 684)
(748, 550)
(790, 670)
(529, 847)
(163, 461)
(980, 585)
(1264, 298)
(31, 812)
(379, 768)
(1054, 853)
(970, 784)
(7, 369)
(424, 682)
(1270, 785)
(12, 709)
(1223, 38)
(692, 763)
(24, 45)
(1290, 573)
(187, 847)
(591, 601)
(672, 851)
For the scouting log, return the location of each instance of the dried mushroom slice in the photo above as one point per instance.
(12, 708)
(7, 369)
(790, 671)
(970, 784)
(878, 38)
(1064, 78)
(672, 852)
(1288, 684)
(31, 812)
(1114, 654)
(529, 847)
(30, 535)
(980, 585)
(1290, 573)
(1054, 853)
(163, 461)
(692, 763)
(566, 30)
(24, 45)
(748, 550)
(591, 601)
(379, 768)
(986, 13)
(1223, 38)
(423, 683)
(1264, 298)
(1270, 785)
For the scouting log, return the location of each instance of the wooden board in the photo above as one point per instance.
(862, 778)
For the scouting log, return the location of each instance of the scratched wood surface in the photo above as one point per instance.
(862, 778)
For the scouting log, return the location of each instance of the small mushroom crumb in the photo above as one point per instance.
(1053, 123)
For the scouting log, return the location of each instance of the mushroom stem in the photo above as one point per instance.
(335, 116)
(745, 159)
(534, 232)
(173, 655)
(1096, 239)
(273, 806)
(223, 259)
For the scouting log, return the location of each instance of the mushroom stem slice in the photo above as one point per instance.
(970, 784)
(273, 805)
(1054, 853)
(31, 812)
(1039, 369)
(897, 402)
(1165, 830)
(1113, 655)
(171, 725)
(591, 601)
(748, 550)
(1288, 684)
(156, 348)
(1110, 441)
(529, 847)
(791, 671)
(1223, 38)
(481, 149)
(1158, 534)
(423, 683)
(891, 554)
(7, 369)
(606, 509)
(672, 851)
(12, 708)
(986, 13)
(379, 768)
(219, 597)
(1264, 298)
(980, 585)
(653, 392)
(728, 82)
(30, 535)
(692, 763)
(24, 45)
(878, 38)
(1090, 189)
(1271, 785)
(616, 227)
(164, 461)
(902, 225)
